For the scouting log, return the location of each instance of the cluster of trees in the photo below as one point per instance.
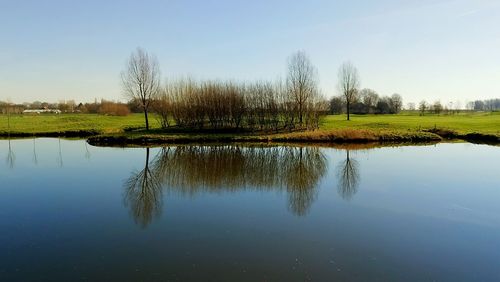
(424, 107)
(64, 106)
(104, 107)
(113, 108)
(436, 108)
(454, 107)
(293, 103)
(10, 108)
(225, 104)
(367, 101)
(484, 105)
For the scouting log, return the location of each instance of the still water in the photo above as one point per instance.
(70, 211)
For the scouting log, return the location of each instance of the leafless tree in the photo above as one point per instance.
(8, 117)
(141, 80)
(422, 106)
(336, 105)
(305, 166)
(261, 105)
(59, 156)
(437, 107)
(302, 81)
(396, 103)
(237, 103)
(370, 98)
(11, 157)
(143, 192)
(35, 156)
(348, 177)
(163, 107)
(87, 151)
(286, 104)
(348, 83)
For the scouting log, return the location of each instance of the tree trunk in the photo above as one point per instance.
(300, 114)
(146, 118)
(8, 121)
(348, 108)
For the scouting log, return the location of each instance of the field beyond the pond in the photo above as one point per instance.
(475, 122)
(399, 127)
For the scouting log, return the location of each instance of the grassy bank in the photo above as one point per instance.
(318, 136)
(480, 127)
(488, 123)
(54, 125)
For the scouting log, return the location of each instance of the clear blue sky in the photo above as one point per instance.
(422, 49)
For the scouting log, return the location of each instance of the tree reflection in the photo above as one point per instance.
(191, 170)
(143, 194)
(348, 177)
(11, 157)
(305, 168)
(60, 157)
(35, 156)
(87, 151)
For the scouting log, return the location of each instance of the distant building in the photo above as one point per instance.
(42, 111)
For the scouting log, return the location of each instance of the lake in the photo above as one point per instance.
(70, 211)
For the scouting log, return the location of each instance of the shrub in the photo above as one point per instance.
(113, 109)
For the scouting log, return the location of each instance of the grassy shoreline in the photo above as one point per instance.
(125, 131)
(317, 137)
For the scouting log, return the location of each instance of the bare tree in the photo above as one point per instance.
(141, 80)
(8, 117)
(143, 192)
(396, 102)
(348, 83)
(260, 105)
(437, 107)
(422, 106)
(336, 105)
(370, 98)
(305, 166)
(302, 81)
(35, 156)
(11, 157)
(163, 107)
(348, 177)
(237, 103)
(59, 156)
(87, 152)
(286, 106)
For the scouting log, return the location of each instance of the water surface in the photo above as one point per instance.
(70, 211)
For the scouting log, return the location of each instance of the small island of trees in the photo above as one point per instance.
(295, 103)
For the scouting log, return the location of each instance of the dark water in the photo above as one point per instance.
(69, 211)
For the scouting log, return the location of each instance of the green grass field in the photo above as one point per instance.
(461, 123)
(486, 123)
(72, 122)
